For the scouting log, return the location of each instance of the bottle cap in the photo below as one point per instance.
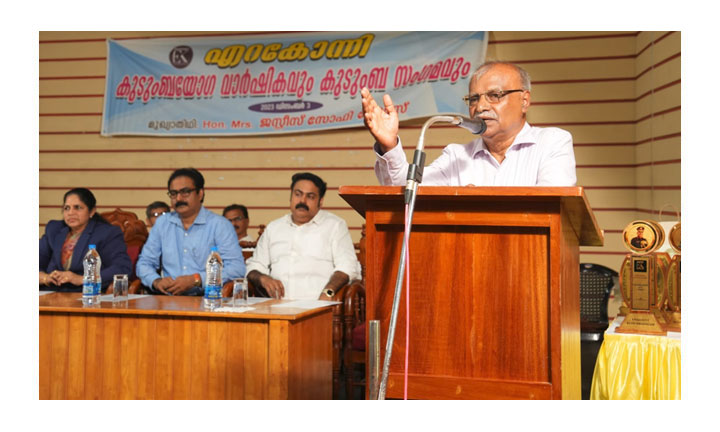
(213, 249)
(92, 246)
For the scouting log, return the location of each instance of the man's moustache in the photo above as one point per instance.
(301, 205)
(180, 203)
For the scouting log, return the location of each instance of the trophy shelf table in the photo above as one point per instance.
(163, 347)
(637, 366)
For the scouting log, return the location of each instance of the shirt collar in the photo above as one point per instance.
(201, 217)
(319, 217)
(525, 136)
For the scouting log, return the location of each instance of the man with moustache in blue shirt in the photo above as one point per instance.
(173, 259)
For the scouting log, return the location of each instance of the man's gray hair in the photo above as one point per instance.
(524, 76)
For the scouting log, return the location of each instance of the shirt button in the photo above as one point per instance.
(186, 234)
(184, 267)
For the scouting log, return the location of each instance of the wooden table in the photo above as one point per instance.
(162, 347)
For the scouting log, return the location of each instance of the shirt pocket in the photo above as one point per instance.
(316, 245)
(199, 255)
(279, 249)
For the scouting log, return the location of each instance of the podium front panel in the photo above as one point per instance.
(494, 297)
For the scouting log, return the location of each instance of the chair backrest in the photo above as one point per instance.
(596, 283)
(361, 253)
(134, 231)
(261, 230)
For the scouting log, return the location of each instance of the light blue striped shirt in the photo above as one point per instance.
(537, 157)
(184, 252)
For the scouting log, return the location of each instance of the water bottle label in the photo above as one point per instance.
(91, 289)
(213, 292)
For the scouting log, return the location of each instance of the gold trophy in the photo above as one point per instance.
(672, 309)
(643, 278)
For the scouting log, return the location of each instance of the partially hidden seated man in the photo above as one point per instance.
(238, 216)
(173, 259)
(154, 210)
(510, 152)
(307, 254)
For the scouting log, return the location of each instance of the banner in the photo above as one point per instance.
(282, 83)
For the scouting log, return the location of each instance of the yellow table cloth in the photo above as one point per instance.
(632, 366)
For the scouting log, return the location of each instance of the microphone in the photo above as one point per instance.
(415, 170)
(476, 126)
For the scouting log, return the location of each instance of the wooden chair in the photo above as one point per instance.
(135, 234)
(252, 292)
(354, 330)
(252, 244)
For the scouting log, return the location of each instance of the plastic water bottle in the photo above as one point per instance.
(91, 277)
(213, 280)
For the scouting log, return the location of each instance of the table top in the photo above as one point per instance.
(174, 306)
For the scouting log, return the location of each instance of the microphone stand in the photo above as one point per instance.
(414, 178)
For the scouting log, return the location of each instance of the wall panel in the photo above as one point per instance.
(617, 93)
(576, 70)
(54, 69)
(603, 155)
(588, 91)
(68, 86)
(659, 125)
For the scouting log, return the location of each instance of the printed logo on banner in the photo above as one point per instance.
(181, 56)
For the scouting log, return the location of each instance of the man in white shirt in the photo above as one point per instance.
(509, 153)
(307, 254)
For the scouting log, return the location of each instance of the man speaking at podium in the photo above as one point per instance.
(509, 152)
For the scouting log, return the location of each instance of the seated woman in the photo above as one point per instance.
(66, 242)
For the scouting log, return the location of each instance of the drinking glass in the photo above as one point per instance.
(240, 292)
(120, 287)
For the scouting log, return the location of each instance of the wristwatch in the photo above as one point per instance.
(329, 292)
(198, 280)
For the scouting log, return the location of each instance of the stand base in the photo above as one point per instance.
(643, 322)
(673, 321)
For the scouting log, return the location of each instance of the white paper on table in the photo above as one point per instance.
(42, 293)
(306, 304)
(109, 297)
(233, 309)
(228, 301)
(256, 300)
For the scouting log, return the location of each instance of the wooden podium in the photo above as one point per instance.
(494, 288)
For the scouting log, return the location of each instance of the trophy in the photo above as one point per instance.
(672, 309)
(643, 279)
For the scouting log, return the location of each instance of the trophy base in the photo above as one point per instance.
(643, 322)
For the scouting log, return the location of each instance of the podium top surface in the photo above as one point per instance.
(573, 199)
